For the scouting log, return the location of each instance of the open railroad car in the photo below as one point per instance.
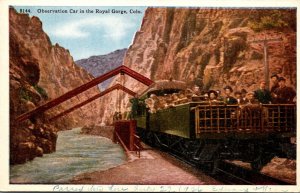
(206, 134)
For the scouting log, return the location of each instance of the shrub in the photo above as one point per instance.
(41, 91)
(24, 94)
(275, 20)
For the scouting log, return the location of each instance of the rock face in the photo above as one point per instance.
(39, 72)
(98, 65)
(210, 48)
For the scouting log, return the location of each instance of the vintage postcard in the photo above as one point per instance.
(149, 96)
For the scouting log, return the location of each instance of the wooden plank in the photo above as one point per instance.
(84, 87)
(115, 87)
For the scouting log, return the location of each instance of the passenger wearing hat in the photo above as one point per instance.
(262, 94)
(228, 98)
(212, 94)
(196, 91)
(220, 98)
(239, 97)
(284, 94)
(244, 93)
(275, 85)
(274, 81)
(213, 97)
(250, 99)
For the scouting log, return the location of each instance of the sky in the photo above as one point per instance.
(88, 31)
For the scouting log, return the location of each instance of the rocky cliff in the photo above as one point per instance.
(98, 65)
(211, 48)
(39, 72)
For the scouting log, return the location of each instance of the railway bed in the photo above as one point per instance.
(232, 174)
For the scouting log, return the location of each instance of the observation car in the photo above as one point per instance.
(207, 133)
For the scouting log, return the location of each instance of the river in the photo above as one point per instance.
(75, 154)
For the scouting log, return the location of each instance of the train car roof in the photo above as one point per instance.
(161, 85)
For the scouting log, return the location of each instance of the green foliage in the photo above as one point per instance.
(41, 91)
(138, 107)
(274, 20)
(24, 94)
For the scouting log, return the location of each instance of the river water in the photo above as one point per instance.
(75, 154)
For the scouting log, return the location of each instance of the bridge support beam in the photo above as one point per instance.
(84, 87)
(115, 87)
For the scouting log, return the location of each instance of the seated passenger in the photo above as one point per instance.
(182, 98)
(238, 96)
(243, 93)
(134, 106)
(213, 97)
(250, 112)
(228, 98)
(262, 94)
(151, 103)
(250, 99)
(166, 97)
(220, 98)
(196, 91)
(162, 103)
(174, 97)
(117, 116)
(204, 96)
(284, 94)
(275, 84)
(189, 93)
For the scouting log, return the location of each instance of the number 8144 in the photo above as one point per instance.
(24, 10)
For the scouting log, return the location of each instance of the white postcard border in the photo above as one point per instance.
(4, 101)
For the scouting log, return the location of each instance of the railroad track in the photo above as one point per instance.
(220, 175)
(232, 174)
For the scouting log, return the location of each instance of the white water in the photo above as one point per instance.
(75, 154)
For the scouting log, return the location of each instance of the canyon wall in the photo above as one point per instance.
(39, 72)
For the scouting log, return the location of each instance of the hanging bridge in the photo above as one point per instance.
(115, 87)
(124, 130)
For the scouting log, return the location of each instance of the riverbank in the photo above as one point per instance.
(152, 168)
(103, 131)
